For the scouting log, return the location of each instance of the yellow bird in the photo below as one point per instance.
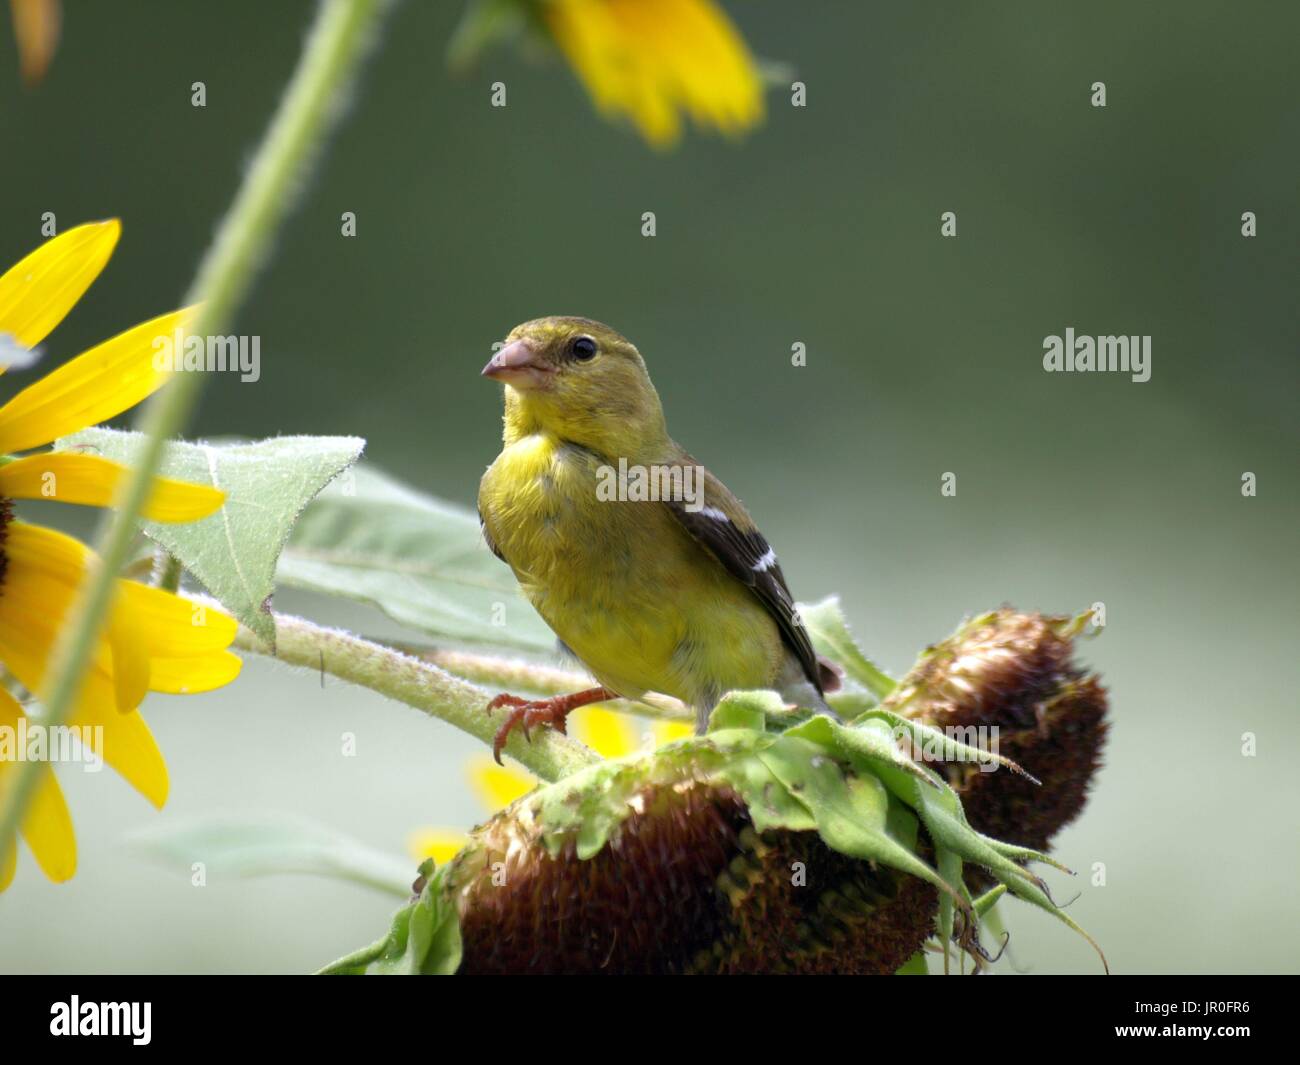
(648, 569)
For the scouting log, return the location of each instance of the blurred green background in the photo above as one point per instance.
(924, 356)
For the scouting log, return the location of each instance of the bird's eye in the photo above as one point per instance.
(583, 348)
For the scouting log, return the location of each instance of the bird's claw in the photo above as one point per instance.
(527, 713)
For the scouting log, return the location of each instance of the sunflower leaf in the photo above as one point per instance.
(267, 484)
(851, 810)
(420, 560)
(271, 844)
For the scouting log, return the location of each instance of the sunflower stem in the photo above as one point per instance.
(549, 755)
(311, 103)
(518, 674)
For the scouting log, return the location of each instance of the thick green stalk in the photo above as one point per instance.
(517, 674)
(314, 97)
(549, 754)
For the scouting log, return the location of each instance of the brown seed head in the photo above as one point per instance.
(1016, 673)
(685, 884)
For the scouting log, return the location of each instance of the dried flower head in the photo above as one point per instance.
(684, 884)
(1015, 673)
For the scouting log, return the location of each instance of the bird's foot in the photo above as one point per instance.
(531, 712)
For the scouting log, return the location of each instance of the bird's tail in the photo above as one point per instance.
(829, 675)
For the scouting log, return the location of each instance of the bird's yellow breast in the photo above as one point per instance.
(622, 583)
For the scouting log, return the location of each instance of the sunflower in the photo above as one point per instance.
(609, 734)
(653, 60)
(153, 640)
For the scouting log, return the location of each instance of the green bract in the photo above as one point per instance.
(423, 940)
(829, 630)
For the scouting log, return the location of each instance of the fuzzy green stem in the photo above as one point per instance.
(517, 674)
(332, 53)
(298, 642)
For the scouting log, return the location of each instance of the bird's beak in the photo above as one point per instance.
(517, 364)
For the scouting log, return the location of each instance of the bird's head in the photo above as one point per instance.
(580, 380)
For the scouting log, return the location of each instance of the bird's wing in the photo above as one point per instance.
(723, 525)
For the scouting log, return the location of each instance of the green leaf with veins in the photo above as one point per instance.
(420, 560)
(233, 552)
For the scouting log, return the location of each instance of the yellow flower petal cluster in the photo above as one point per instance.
(153, 640)
(655, 60)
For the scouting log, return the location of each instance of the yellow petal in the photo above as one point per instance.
(184, 641)
(440, 844)
(36, 31)
(47, 830)
(609, 734)
(47, 825)
(130, 656)
(653, 61)
(25, 650)
(128, 746)
(93, 387)
(175, 627)
(44, 574)
(670, 731)
(38, 292)
(497, 786)
(47, 550)
(75, 477)
(189, 676)
(125, 741)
